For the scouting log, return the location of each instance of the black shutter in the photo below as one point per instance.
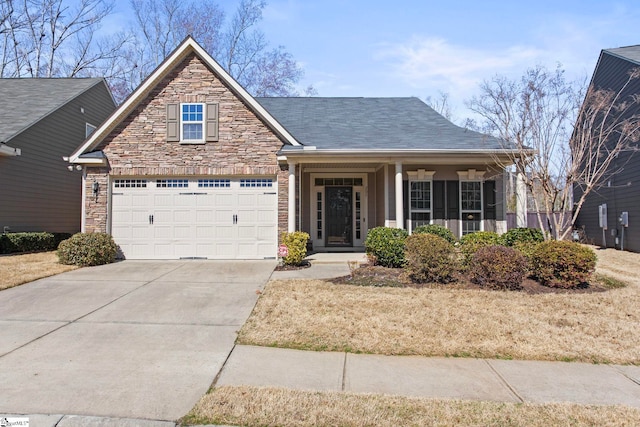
(489, 200)
(439, 209)
(405, 199)
(453, 200)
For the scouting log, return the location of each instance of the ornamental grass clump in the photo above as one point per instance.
(498, 267)
(296, 244)
(87, 249)
(429, 258)
(385, 245)
(563, 264)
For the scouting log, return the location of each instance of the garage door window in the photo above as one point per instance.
(253, 183)
(130, 183)
(172, 183)
(214, 183)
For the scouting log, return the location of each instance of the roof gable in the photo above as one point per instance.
(629, 53)
(373, 124)
(32, 99)
(187, 47)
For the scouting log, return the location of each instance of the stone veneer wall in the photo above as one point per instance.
(138, 146)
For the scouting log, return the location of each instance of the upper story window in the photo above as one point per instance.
(192, 116)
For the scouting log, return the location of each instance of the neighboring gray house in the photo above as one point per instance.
(191, 165)
(621, 193)
(41, 121)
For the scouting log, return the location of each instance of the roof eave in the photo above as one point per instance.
(5, 150)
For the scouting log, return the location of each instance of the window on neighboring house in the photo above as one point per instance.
(88, 129)
(192, 118)
(471, 206)
(420, 203)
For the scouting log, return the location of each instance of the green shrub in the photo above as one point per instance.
(563, 264)
(296, 244)
(526, 249)
(498, 267)
(28, 242)
(436, 229)
(429, 258)
(85, 249)
(523, 234)
(385, 245)
(470, 243)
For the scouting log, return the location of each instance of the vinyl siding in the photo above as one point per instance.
(622, 192)
(38, 192)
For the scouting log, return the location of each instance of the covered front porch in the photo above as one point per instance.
(338, 198)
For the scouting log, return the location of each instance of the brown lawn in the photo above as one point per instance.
(600, 327)
(18, 269)
(281, 407)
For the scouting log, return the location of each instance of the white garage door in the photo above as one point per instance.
(217, 218)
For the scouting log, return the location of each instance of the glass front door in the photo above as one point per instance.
(339, 216)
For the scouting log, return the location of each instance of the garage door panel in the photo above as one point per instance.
(231, 220)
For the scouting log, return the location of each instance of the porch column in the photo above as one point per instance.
(386, 195)
(399, 197)
(521, 201)
(292, 198)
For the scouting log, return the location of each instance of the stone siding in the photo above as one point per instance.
(138, 146)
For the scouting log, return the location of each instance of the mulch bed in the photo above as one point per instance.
(303, 265)
(368, 275)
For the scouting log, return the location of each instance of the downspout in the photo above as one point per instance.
(83, 220)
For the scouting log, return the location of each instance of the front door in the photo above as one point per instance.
(339, 216)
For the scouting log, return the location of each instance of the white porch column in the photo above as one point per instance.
(399, 197)
(521, 201)
(386, 195)
(292, 198)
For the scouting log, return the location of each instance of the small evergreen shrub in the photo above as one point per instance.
(522, 234)
(429, 258)
(526, 249)
(436, 229)
(385, 245)
(563, 264)
(498, 267)
(296, 244)
(86, 249)
(28, 242)
(470, 243)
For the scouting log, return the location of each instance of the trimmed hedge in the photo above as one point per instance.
(563, 264)
(436, 229)
(522, 235)
(470, 243)
(87, 249)
(296, 244)
(498, 267)
(385, 245)
(429, 258)
(30, 242)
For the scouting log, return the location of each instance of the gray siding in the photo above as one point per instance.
(622, 192)
(38, 193)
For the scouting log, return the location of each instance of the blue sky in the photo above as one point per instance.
(418, 48)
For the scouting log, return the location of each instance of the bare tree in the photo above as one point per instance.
(441, 104)
(559, 144)
(237, 44)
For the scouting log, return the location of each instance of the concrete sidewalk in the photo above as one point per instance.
(434, 377)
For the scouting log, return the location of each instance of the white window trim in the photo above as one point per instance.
(202, 123)
(420, 175)
(471, 175)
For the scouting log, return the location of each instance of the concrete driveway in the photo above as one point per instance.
(137, 339)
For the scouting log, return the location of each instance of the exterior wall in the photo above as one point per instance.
(621, 192)
(138, 146)
(379, 205)
(38, 192)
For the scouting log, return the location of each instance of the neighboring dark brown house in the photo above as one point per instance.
(191, 165)
(621, 193)
(42, 120)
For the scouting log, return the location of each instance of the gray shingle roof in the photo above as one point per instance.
(26, 101)
(631, 53)
(372, 124)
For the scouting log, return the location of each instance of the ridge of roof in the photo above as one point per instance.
(628, 53)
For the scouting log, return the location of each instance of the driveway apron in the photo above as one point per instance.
(134, 339)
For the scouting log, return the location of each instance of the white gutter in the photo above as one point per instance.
(5, 150)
